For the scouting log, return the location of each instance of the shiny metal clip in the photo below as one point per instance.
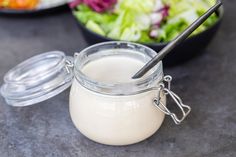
(185, 109)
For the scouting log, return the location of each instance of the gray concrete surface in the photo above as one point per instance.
(207, 83)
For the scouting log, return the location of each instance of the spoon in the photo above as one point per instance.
(176, 41)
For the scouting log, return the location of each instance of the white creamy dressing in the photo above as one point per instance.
(113, 69)
(114, 120)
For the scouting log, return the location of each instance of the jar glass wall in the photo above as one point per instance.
(116, 113)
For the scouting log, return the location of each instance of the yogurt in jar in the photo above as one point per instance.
(109, 119)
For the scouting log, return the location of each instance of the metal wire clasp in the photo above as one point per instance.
(69, 65)
(185, 109)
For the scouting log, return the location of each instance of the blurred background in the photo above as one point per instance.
(203, 68)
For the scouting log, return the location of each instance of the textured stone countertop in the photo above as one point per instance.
(207, 83)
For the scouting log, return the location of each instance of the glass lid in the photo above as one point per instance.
(37, 79)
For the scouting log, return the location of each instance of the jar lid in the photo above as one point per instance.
(37, 79)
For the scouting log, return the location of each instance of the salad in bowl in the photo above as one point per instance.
(145, 21)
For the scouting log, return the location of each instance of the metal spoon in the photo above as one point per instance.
(176, 41)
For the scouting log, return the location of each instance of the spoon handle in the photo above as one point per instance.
(176, 41)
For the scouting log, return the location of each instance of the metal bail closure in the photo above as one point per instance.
(37, 79)
(185, 109)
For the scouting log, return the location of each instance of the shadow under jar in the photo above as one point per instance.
(106, 105)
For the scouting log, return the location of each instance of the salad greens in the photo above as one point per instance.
(145, 21)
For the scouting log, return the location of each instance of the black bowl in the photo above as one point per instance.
(190, 48)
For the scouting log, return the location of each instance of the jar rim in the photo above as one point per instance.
(127, 88)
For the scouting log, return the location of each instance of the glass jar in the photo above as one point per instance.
(113, 113)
